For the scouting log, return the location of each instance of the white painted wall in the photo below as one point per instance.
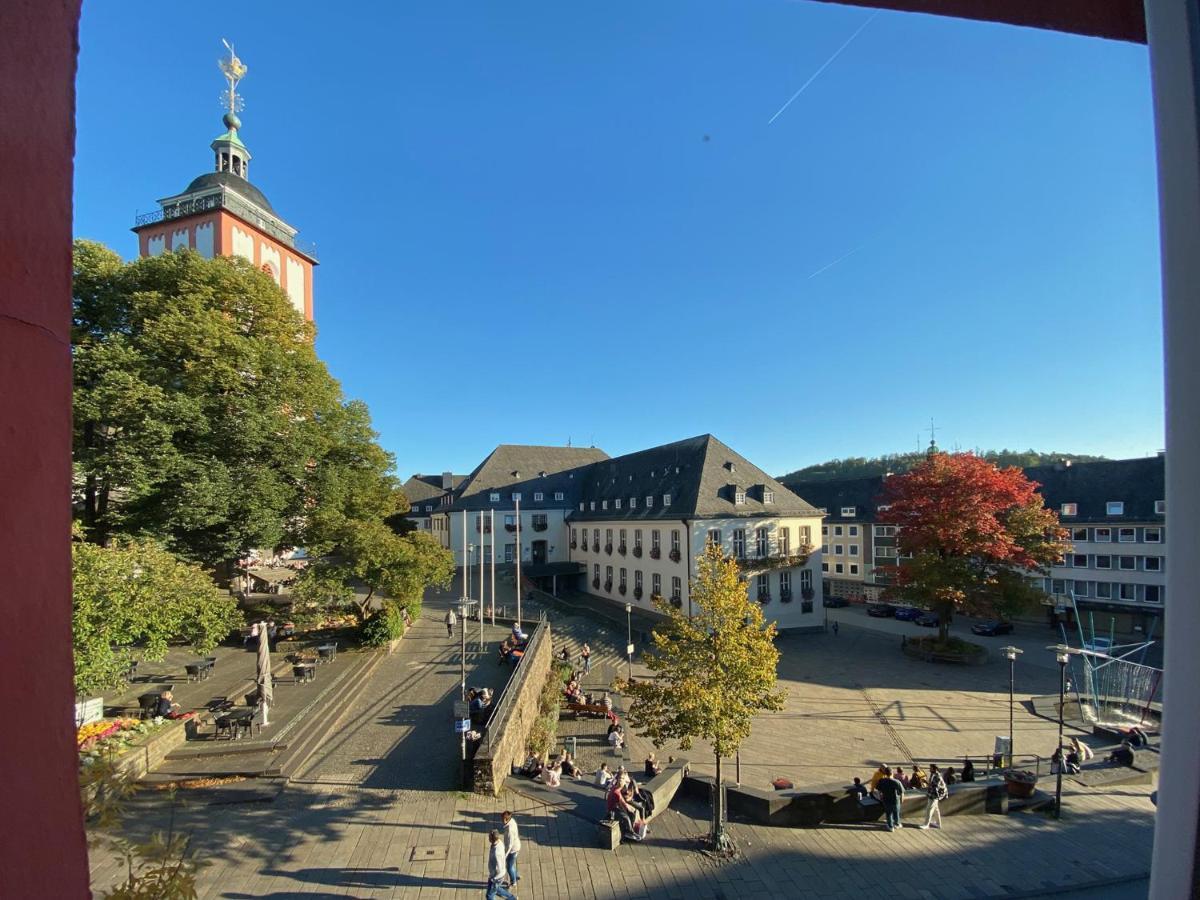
(156, 245)
(555, 534)
(204, 239)
(180, 238)
(243, 244)
(664, 567)
(295, 288)
(269, 256)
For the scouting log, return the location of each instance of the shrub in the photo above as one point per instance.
(385, 625)
(545, 727)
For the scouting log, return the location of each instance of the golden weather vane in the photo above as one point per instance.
(234, 71)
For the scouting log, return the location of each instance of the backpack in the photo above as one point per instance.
(937, 787)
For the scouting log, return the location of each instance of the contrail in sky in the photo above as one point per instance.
(825, 65)
(828, 266)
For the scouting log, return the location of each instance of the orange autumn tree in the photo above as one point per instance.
(971, 533)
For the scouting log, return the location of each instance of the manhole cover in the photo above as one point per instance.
(427, 854)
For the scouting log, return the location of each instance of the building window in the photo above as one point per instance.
(1152, 535)
(1160, 507)
(592, 506)
(785, 541)
(538, 496)
(608, 578)
(1079, 560)
(762, 586)
(824, 530)
(656, 584)
(516, 496)
(785, 585)
(574, 538)
(558, 495)
(885, 552)
(1129, 592)
(603, 504)
(805, 536)
(666, 499)
(676, 588)
(805, 580)
(768, 496)
(824, 548)
(540, 522)
(1057, 586)
(595, 571)
(839, 549)
(1079, 534)
(714, 537)
(654, 541)
(428, 509)
(853, 568)
(623, 580)
(837, 531)
(739, 498)
(854, 549)
(1103, 562)
(1152, 563)
(637, 581)
(1102, 535)
(608, 540)
(617, 503)
(1069, 509)
(1081, 588)
(621, 545)
(848, 511)
(1128, 563)
(1103, 590)
(853, 531)
(824, 567)
(1115, 507)
(633, 502)
(839, 568)
(510, 523)
(649, 501)
(762, 542)
(675, 540)
(1126, 535)
(509, 551)
(739, 542)
(637, 539)
(1153, 593)
(581, 506)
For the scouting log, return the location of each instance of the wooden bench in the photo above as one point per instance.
(591, 710)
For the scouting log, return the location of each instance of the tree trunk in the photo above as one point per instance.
(718, 830)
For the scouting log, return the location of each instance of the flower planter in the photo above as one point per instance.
(676, 556)
(806, 593)
(637, 593)
(1020, 784)
(574, 545)
(622, 549)
(637, 551)
(764, 599)
(608, 549)
(596, 547)
(622, 590)
(677, 602)
(608, 586)
(596, 582)
(785, 596)
(655, 553)
(656, 598)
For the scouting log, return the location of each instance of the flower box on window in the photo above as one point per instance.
(676, 556)
(574, 544)
(608, 586)
(806, 593)
(785, 596)
(764, 597)
(595, 546)
(655, 553)
(596, 582)
(637, 592)
(510, 526)
(656, 598)
(540, 526)
(622, 590)
(622, 549)
(608, 549)
(637, 550)
(677, 601)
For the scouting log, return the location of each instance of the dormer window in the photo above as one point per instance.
(516, 496)
(1069, 509)
(768, 496)
(666, 499)
(617, 503)
(739, 497)
(593, 506)
(1160, 507)
(633, 502)
(558, 495)
(581, 506)
(848, 511)
(649, 501)
(538, 496)
(1115, 507)
(603, 504)
(494, 496)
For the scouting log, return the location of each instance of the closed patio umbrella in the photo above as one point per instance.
(265, 692)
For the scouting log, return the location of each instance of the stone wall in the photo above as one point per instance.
(508, 735)
(148, 752)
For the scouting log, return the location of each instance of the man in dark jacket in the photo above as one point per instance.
(891, 792)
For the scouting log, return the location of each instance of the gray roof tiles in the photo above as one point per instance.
(526, 470)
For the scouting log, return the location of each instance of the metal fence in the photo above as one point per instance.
(500, 707)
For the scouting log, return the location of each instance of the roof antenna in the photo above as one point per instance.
(568, 440)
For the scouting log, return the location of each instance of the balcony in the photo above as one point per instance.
(676, 556)
(637, 550)
(622, 549)
(761, 564)
(655, 553)
(235, 205)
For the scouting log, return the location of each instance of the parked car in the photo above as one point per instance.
(908, 613)
(880, 610)
(928, 620)
(836, 602)
(992, 628)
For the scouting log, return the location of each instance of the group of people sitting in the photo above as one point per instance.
(480, 705)
(512, 650)
(916, 779)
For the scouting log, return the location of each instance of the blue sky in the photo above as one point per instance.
(542, 222)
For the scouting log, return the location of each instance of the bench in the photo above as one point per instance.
(662, 788)
(591, 710)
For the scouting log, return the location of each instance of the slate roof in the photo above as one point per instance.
(1138, 483)
(235, 183)
(421, 488)
(700, 473)
(527, 470)
(861, 493)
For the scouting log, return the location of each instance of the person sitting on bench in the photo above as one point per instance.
(652, 768)
(1123, 755)
(518, 635)
(619, 809)
(166, 707)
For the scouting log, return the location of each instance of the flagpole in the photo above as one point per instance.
(466, 564)
(482, 541)
(518, 562)
(493, 515)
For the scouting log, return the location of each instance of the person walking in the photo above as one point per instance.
(891, 792)
(495, 889)
(512, 846)
(835, 627)
(934, 794)
(451, 619)
(586, 653)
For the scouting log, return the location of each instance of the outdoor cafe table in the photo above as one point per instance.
(326, 652)
(304, 672)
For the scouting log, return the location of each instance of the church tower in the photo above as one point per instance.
(221, 213)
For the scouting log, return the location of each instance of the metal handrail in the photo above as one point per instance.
(501, 704)
(223, 200)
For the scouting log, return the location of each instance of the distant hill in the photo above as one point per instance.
(864, 467)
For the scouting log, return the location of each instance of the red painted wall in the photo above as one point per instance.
(42, 848)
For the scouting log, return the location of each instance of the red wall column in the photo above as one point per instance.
(42, 848)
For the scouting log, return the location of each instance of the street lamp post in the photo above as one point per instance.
(629, 640)
(1061, 653)
(462, 657)
(1011, 653)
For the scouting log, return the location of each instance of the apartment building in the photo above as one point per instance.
(851, 542)
(426, 495)
(630, 529)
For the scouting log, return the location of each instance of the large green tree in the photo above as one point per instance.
(136, 592)
(971, 535)
(713, 672)
(203, 416)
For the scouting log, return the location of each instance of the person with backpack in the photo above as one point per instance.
(935, 792)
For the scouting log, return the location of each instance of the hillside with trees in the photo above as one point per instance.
(896, 463)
